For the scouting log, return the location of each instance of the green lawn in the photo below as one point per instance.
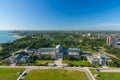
(77, 63)
(57, 74)
(9, 73)
(93, 71)
(3, 64)
(43, 62)
(88, 50)
(109, 76)
(106, 75)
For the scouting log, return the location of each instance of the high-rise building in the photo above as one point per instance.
(110, 40)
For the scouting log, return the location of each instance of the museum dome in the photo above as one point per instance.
(58, 46)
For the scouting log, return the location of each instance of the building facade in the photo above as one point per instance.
(59, 52)
(21, 58)
(110, 40)
(100, 59)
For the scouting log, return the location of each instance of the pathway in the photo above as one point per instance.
(58, 62)
(22, 76)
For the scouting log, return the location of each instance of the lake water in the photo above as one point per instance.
(6, 36)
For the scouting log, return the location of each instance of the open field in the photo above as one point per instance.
(38, 63)
(57, 74)
(106, 75)
(9, 73)
(89, 50)
(93, 71)
(77, 63)
(3, 64)
(43, 62)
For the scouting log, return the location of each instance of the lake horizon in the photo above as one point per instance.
(6, 36)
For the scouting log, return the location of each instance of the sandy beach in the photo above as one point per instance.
(16, 36)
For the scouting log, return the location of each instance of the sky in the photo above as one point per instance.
(60, 14)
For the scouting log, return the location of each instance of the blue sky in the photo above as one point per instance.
(60, 14)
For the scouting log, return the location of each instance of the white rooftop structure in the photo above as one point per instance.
(48, 52)
(73, 53)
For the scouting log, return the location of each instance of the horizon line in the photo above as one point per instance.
(57, 30)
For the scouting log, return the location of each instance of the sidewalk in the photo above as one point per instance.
(58, 62)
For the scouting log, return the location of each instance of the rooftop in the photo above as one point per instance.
(18, 56)
(73, 49)
(73, 53)
(47, 49)
(48, 52)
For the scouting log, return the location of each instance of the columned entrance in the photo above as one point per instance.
(59, 55)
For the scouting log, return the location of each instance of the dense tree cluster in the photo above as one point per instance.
(113, 50)
(36, 40)
(114, 62)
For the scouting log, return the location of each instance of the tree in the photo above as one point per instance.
(48, 57)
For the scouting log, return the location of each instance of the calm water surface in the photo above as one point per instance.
(6, 36)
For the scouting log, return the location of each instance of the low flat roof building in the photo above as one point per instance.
(73, 52)
(47, 51)
(100, 59)
(21, 58)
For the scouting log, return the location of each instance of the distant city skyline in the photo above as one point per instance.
(60, 14)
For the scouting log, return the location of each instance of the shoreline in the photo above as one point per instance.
(18, 37)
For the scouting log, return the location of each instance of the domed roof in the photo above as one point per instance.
(58, 46)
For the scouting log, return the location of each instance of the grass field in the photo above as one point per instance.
(43, 62)
(52, 74)
(89, 50)
(3, 64)
(9, 73)
(77, 63)
(106, 75)
(109, 76)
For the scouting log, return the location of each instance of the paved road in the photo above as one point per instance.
(22, 76)
(58, 62)
(109, 69)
